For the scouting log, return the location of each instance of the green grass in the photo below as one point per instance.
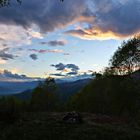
(48, 126)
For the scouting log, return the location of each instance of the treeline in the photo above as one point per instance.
(110, 95)
(44, 98)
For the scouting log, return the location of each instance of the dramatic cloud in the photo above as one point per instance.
(68, 69)
(59, 67)
(55, 43)
(46, 51)
(94, 34)
(105, 19)
(6, 75)
(73, 67)
(120, 16)
(4, 55)
(114, 20)
(34, 56)
(47, 15)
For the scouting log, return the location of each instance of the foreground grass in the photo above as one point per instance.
(48, 126)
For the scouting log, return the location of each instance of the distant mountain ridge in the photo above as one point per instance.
(15, 87)
(69, 88)
(7, 88)
(64, 89)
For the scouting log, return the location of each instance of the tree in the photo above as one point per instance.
(7, 2)
(127, 58)
(44, 97)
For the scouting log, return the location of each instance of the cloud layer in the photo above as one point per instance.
(54, 43)
(114, 19)
(47, 15)
(46, 51)
(6, 75)
(105, 19)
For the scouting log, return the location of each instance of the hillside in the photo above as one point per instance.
(113, 95)
(68, 89)
(49, 126)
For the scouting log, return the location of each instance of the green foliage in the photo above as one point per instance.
(109, 71)
(44, 97)
(112, 95)
(127, 58)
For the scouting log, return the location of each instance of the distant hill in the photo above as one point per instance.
(69, 88)
(64, 89)
(12, 87)
(8, 88)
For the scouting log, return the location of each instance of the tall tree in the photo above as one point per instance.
(43, 96)
(127, 57)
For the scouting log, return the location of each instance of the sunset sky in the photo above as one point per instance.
(49, 37)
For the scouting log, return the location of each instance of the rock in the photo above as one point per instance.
(73, 118)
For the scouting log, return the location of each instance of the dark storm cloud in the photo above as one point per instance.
(116, 19)
(55, 43)
(4, 55)
(46, 14)
(104, 17)
(73, 67)
(61, 67)
(34, 56)
(65, 69)
(120, 16)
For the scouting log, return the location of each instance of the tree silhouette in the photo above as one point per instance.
(43, 96)
(7, 2)
(127, 58)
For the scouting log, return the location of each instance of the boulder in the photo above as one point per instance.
(73, 118)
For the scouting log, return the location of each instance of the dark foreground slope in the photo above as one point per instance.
(48, 126)
(111, 95)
